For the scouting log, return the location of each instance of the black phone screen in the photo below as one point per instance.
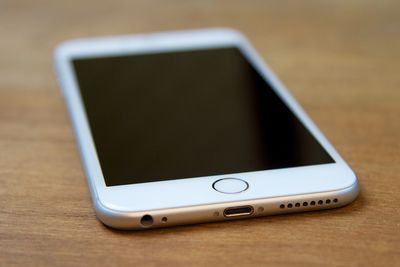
(185, 114)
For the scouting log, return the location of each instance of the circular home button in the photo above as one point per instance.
(230, 185)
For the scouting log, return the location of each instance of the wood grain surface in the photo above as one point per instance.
(341, 60)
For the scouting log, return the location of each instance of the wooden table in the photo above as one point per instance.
(341, 60)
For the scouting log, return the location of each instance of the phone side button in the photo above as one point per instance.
(230, 185)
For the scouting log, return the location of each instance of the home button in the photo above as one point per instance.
(230, 185)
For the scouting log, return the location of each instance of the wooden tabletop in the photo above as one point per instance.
(341, 60)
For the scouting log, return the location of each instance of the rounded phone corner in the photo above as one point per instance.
(355, 188)
(62, 49)
(351, 192)
(115, 219)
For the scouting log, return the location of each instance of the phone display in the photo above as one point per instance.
(185, 114)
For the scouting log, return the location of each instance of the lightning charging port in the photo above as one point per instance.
(238, 211)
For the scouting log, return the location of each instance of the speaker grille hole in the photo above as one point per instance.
(147, 220)
(311, 203)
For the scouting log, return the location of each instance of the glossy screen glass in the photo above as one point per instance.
(185, 114)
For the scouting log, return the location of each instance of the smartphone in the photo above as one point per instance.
(192, 126)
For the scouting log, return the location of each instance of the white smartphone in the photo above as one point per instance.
(191, 126)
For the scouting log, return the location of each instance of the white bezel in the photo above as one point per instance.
(190, 191)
